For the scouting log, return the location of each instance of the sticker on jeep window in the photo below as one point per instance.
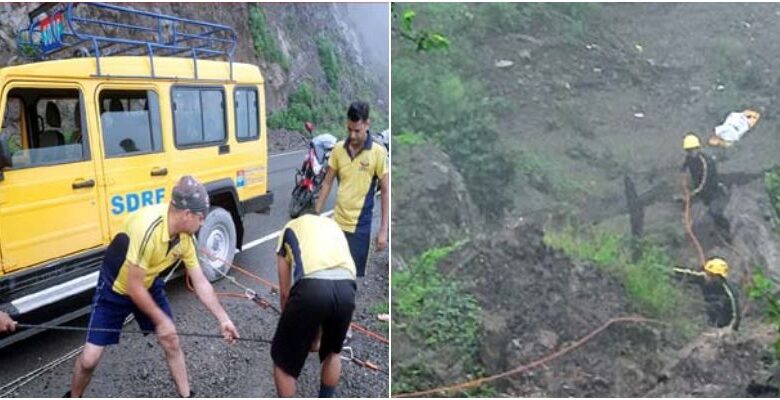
(133, 201)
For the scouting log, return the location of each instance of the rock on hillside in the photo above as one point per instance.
(430, 204)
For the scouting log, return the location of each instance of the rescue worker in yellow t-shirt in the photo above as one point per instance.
(317, 295)
(359, 164)
(153, 239)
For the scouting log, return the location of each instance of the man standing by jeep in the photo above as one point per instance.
(152, 240)
(359, 164)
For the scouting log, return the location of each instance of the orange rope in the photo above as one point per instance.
(534, 364)
(220, 294)
(272, 285)
(688, 223)
(251, 275)
(370, 333)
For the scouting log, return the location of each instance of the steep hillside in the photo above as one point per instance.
(550, 113)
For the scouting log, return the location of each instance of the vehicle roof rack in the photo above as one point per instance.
(56, 27)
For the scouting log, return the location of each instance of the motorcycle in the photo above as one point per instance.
(309, 178)
(311, 175)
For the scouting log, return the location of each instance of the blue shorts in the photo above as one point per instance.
(110, 309)
(358, 247)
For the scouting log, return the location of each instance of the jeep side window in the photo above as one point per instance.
(130, 122)
(198, 116)
(12, 129)
(246, 114)
(43, 127)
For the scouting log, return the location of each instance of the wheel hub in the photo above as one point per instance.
(217, 244)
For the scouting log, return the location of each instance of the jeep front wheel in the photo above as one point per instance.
(217, 237)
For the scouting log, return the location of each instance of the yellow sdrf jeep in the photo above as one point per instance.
(81, 150)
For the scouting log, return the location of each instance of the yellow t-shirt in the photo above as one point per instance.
(312, 243)
(358, 178)
(151, 247)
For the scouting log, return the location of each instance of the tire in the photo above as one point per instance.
(217, 236)
(299, 200)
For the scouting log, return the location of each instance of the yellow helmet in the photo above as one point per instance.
(691, 141)
(717, 266)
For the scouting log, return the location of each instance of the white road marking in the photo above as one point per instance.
(272, 236)
(286, 154)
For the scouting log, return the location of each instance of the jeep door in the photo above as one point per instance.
(48, 197)
(135, 166)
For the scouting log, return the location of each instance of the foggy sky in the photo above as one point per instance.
(372, 22)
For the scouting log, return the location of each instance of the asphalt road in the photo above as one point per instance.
(136, 368)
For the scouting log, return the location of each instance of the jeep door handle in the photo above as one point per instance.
(159, 171)
(81, 184)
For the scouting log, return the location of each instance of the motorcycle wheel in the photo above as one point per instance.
(299, 200)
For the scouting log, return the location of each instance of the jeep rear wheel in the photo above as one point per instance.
(218, 237)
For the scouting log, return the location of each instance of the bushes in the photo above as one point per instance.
(763, 290)
(772, 182)
(648, 280)
(308, 104)
(264, 40)
(329, 61)
(312, 100)
(433, 309)
(442, 314)
(300, 108)
(431, 99)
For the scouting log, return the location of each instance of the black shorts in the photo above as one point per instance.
(313, 304)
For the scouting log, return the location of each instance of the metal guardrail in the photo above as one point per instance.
(55, 29)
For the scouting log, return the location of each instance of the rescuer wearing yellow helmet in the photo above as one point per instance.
(716, 266)
(691, 141)
(703, 178)
(722, 303)
(720, 297)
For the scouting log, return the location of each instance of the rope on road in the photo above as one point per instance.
(273, 286)
(133, 332)
(359, 362)
(17, 383)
